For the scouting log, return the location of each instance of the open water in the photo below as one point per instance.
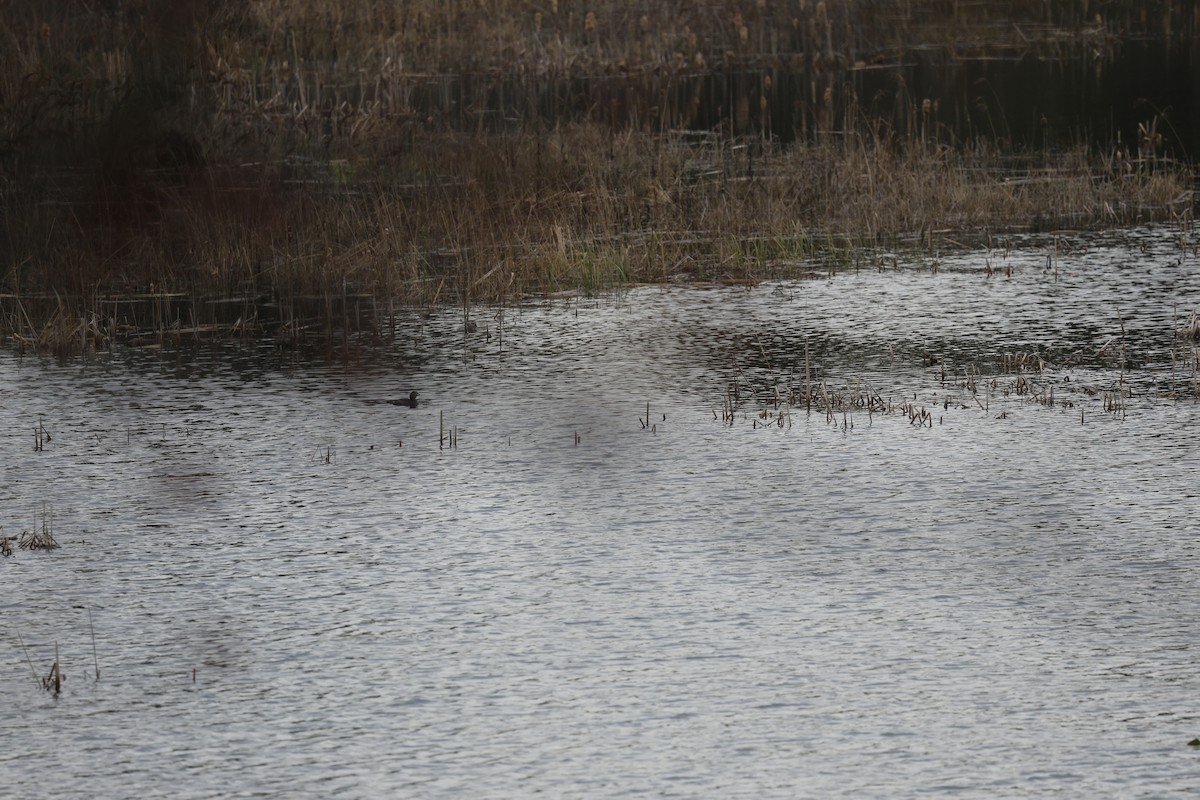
(292, 589)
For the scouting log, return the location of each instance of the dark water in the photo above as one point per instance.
(1028, 101)
(296, 592)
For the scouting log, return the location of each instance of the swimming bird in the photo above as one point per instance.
(410, 401)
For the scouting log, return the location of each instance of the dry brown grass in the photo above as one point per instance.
(474, 217)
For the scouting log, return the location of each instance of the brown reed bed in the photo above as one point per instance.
(578, 207)
(296, 168)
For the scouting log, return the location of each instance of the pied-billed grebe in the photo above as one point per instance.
(410, 401)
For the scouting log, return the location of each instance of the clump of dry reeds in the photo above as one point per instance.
(52, 681)
(41, 536)
(1191, 327)
(37, 540)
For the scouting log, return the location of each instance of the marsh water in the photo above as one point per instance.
(638, 571)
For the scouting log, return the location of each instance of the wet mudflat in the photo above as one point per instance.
(297, 590)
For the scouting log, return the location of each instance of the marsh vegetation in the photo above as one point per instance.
(239, 168)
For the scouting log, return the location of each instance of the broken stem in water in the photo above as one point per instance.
(95, 656)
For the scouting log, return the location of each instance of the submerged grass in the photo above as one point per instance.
(302, 165)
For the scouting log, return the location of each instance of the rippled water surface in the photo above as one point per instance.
(296, 592)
